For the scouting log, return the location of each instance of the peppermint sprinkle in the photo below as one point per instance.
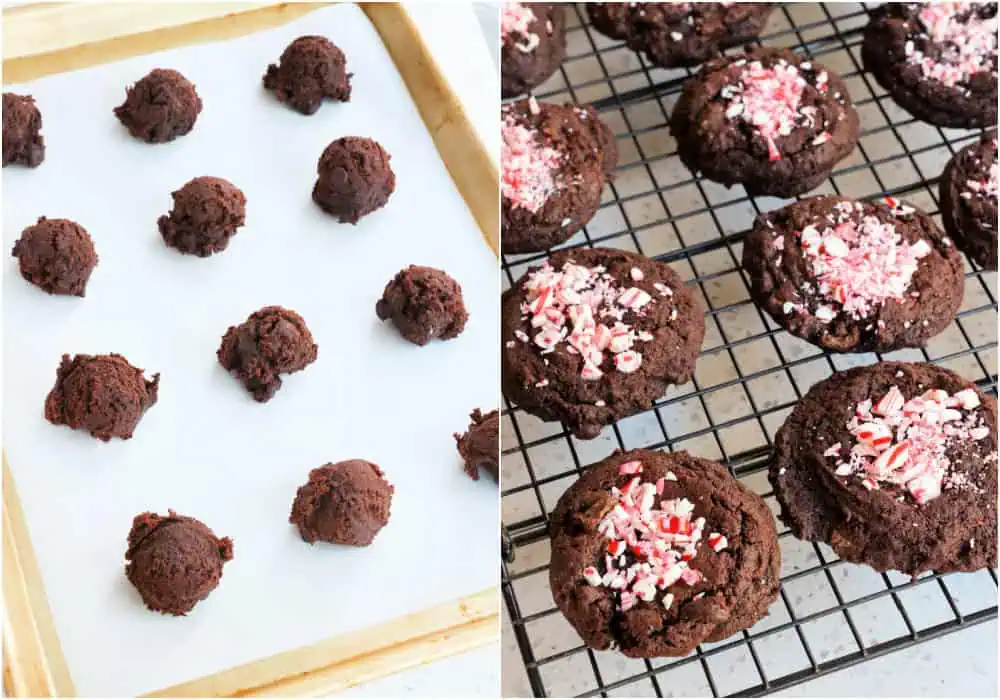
(964, 39)
(986, 185)
(904, 442)
(650, 543)
(515, 18)
(768, 99)
(529, 167)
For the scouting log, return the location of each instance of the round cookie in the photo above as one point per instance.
(675, 34)
(768, 119)
(174, 561)
(102, 394)
(654, 553)
(480, 445)
(968, 198)
(310, 70)
(23, 143)
(938, 61)
(354, 179)
(343, 503)
(895, 466)
(57, 256)
(423, 303)
(594, 335)
(271, 342)
(160, 107)
(556, 160)
(854, 276)
(533, 45)
(207, 211)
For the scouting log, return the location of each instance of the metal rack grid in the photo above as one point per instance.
(830, 615)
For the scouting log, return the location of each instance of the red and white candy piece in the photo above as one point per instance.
(717, 541)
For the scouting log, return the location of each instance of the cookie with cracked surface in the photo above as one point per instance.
(937, 60)
(533, 45)
(968, 197)
(854, 276)
(654, 553)
(595, 335)
(555, 160)
(893, 465)
(768, 119)
(675, 34)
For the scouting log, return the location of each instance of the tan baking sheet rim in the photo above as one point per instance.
(44, 39)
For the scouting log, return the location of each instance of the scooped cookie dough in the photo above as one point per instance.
(480, 445)
(533, 36)
(23, 143)
(968, 196)
(160, 107)
(102, 394)
(207, 211)
(769, 119)
(937, 60)
(354, 179)
(174, 561)
(271, 342)
(57, 256)
(343, 503)
(854, 276)
(310, 70)
(423, 303)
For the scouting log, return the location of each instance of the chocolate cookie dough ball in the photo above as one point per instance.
(423, 303)
(207, 211)
(311, 69)
(480, 446)
(22, 123)
(102, 394)
(174, 561)
(56, 255)
(354, 178)
(270, 342)
(160, 107)
(343, 503)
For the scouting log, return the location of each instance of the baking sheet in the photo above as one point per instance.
(207, 449)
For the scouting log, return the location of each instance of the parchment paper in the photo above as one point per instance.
(207, 449)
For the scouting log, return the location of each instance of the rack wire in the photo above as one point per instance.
(830, 615)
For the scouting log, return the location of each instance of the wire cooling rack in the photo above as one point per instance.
(830, 615)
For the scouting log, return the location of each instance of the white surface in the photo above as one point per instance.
(207, 449)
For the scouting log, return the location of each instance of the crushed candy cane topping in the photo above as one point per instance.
(530, 169)
(584, 308)
(515, 18)
(769, 99)
(650, 542)
(965, 39)
(859, 261)
(905, 442)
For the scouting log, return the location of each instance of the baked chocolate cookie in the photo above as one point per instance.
(556, 160)
(674, 34)
(937, 60)
(423, 303)
(354, 178)
(57, 256)
(160, 107)
(23, 143)
(654, 553)
(594, 335)
(895, 466)
(769, 119)
(968, 198)
(533, 44)
(207, 211)
(343, 503)
(854, 276)
(271, 342)
(174, 561)
(480, 444)
(310, 70)
(101, 394)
